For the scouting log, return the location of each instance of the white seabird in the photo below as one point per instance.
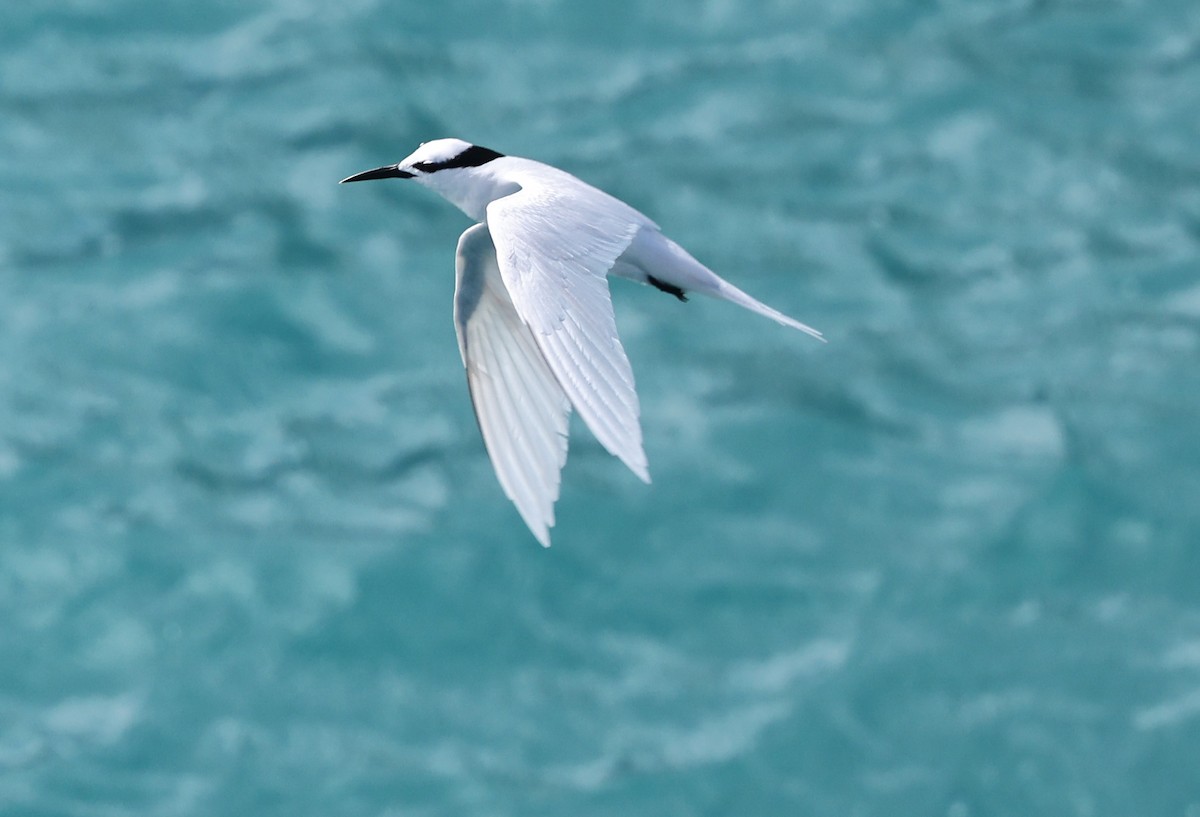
(533, 314)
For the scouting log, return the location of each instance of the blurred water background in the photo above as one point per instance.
(253, 559)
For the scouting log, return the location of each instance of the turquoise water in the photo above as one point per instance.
(253, 559)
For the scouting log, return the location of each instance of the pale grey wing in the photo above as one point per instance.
(555, 247)
(521, 409)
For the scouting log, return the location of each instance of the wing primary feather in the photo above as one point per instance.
(521, 408)
(510, 433)
(623, 440)
(533, 412)
(494, 408)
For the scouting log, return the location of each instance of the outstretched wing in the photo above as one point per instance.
(555, 243)
(521, 409)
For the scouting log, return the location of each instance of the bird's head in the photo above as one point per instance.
(446, 166)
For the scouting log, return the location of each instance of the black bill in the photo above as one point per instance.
(389, 172)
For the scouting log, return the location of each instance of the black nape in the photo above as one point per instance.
(474, 156)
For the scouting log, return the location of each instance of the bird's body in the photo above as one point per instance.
(533, 314)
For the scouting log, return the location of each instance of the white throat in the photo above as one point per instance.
(472, 189)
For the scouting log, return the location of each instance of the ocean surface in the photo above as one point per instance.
(254, 560)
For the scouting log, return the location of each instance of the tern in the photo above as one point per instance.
(533, 314)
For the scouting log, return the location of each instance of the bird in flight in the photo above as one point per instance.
(533, 314)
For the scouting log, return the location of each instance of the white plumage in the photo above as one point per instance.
(533, 313)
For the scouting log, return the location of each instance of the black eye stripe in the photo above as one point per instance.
(473, 156)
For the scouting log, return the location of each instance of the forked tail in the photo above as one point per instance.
(731, 293)
(655, 259)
